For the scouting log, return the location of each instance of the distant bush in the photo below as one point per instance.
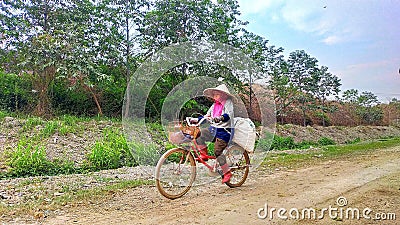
(282, 143)
(110, 153)
(28, 159)
(74, 101)
(305, 144)
(326, 141)
(285, 143)
(15, 93)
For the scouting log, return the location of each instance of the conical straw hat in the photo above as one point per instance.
(222, 88)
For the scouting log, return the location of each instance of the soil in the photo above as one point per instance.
(367, 181)
(75, 146)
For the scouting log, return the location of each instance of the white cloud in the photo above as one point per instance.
(334, 21)
(332, 40)
(255, 6)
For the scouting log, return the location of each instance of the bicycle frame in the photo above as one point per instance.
(175, 178)
(195, 148)
(195, 151)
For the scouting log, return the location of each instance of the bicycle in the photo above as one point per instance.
(176, 169)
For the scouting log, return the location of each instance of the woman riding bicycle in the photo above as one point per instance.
(220, 130)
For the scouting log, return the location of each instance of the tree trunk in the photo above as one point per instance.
(96, 100)
(41, 82)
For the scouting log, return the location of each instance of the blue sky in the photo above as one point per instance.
(359, 40)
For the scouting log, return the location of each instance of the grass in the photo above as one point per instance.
(29, 159)
(298, 159)
(98, 193)
(285, 143)
(109, 153)
(71, 196)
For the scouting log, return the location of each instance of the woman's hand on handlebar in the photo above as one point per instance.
(191, 121)
(194, 120)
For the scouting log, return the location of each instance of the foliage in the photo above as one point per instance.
(326, 141)
(285, 143)
(370, 115)
(76, 57)
(28, 159)
(3, 114)
(32, 122)
(326, 153)
(282, 143)
(145, 154)
(74, 101)
(110, 153)
(302, 67)
(364, 106)
(306, 144)
(15, 92)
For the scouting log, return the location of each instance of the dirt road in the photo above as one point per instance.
(370, 183)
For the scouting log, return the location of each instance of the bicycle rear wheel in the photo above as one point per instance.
(239, 162)
(175, 173)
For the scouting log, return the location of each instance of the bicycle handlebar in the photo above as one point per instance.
(196, 124)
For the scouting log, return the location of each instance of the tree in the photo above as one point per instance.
(302, 67)
(350, 96)
(328, 86)
(178, 21)
(34, 42)
(364, 106)
(367, 99)
(67, 39)
(284, 90)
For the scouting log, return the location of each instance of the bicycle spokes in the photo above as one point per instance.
(238, 161)
(175, 173)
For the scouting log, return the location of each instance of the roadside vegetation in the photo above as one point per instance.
(28, 155)
(298, 158)
(28, 159)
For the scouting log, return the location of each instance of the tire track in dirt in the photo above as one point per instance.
(361, 179)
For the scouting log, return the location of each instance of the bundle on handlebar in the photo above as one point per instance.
(186, 132)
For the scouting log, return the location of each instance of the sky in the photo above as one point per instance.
(358, 40)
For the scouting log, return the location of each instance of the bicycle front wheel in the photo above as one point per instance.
(239, 162)
(175, 173)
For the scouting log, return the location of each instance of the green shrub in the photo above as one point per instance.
(103, 156)
(76, 101)
(110, 153)
(145, 154)
(3, 115)
(28, 159)
(326, 141)
(15, 92)
(305, 144)
(49, 129)
(264, 143)
(282, 143)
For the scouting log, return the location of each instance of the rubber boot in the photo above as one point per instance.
(227, 173)
(203, 152)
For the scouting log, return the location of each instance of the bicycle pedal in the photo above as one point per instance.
(212, 173)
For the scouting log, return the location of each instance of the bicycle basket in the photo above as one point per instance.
(194, 132)
(183, 134)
